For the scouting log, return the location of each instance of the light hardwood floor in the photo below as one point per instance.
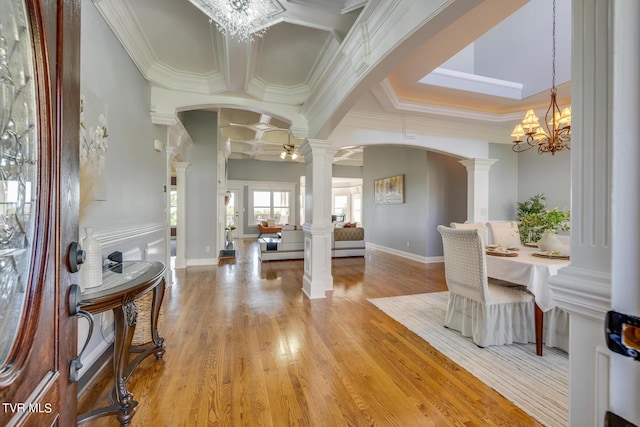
(246, 348)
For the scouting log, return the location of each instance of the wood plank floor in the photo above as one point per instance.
(245, 348)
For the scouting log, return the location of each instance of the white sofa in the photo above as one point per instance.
(345, 242)
(290, 245)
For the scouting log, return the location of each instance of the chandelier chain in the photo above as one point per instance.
(554, 133)
(553, 49)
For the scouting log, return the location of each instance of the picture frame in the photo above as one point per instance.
(388, 191)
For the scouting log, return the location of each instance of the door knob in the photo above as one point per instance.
(76, 257)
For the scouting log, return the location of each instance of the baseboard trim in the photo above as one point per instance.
(199, 262)
(106, 358)
(408, 255)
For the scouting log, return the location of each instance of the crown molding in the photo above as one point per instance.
(292, 95)
(459, 80)
(166, 119)
(165, 76)
(320, 67)
(388, 99)
(411, 127)
(121, 20)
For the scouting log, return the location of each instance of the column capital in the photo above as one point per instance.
(171, 152)
(478, 188)
(312, 147)
(181, 166)
(478, 164)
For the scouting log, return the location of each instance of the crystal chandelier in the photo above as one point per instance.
(240, 19)
(556, 133)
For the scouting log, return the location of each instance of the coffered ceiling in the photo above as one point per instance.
(175, 46)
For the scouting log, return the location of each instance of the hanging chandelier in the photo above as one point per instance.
(555, 135)
(239, 19)
(289, 150)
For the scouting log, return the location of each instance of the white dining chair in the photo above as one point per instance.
(487, 312)
(505, 233)
(472, 225)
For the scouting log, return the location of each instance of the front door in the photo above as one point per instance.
(39, 123)
(232, 210)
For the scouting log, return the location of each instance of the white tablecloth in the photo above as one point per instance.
(534, 272)
(528, 270)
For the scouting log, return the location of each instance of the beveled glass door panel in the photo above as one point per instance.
(18, 170)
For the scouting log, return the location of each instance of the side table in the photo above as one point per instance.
(121, 285)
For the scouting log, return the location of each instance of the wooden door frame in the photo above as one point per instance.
(38, 379)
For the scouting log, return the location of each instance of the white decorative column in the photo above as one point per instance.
(625, 203)
(605, 232)
(318, 157)
(478, 188)
(181, 232)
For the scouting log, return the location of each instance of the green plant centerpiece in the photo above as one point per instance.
(534, 219)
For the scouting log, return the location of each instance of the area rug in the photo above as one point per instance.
(537, 385)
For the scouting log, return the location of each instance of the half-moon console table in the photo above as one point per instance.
(121, 285)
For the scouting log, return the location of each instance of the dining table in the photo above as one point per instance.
(530, 267)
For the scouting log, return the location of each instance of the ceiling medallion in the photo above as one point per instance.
(240, 19)
(557, 123)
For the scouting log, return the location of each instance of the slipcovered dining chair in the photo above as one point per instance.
(472, 225)
(489, 313)
(505, 233)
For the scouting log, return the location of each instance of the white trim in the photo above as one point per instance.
(414, 257)
(116, 236)
(581, 291)
(473, 83)
(198, 262)
(602, 379)
(102, 345)
(268, 186)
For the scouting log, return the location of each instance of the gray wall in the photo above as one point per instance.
(447, 197)
(503, 182)
(201, 198)
(134, 174)
(135, 171)
(545, 173)
(435, 193)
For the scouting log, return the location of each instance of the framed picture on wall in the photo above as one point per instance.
(388, 191)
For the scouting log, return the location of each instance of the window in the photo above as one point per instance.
(271, 205)
(341, 205)
(356, 207)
